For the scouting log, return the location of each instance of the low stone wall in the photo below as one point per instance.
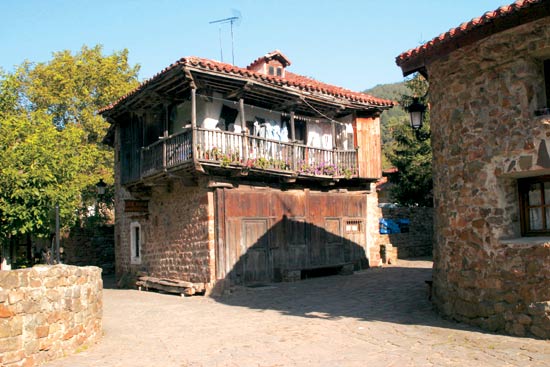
(418, 241)
(511, 293)
(47, 312)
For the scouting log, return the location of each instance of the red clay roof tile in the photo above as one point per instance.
(463, 29)
(291, 80)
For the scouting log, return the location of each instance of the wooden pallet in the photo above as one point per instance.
(180, 287)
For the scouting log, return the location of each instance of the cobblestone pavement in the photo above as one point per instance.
(377, 317)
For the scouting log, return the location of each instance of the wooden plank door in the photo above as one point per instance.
(255, 246)
(297, 243)
(334, 241)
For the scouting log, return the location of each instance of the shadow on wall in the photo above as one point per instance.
(255, 254)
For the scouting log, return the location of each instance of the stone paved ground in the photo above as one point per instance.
(378, 317)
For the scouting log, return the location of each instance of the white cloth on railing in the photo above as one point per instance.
(314, 132)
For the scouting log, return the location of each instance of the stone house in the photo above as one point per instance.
(489, 92)
(229, 175)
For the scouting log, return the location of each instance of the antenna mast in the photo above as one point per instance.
(230, 20)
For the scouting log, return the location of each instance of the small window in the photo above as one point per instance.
(135, 243)
(279, 71)
(354, 226)
(534, 194)
(271, 70)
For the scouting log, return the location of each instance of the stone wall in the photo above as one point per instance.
(485, 135)
(418, 241)
(91, 245)
(177, 234)
(47, 312)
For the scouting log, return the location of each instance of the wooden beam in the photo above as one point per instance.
(239, 92)
(190, 78)
(288, 104)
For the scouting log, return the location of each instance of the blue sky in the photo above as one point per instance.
(350, 43)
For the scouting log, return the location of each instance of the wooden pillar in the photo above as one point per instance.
(164, 136)
(194, 141)
(166, 120)
(334, 153)
(243, 131)
(293, 141)
(292, 127)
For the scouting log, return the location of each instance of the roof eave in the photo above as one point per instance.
(468, 33)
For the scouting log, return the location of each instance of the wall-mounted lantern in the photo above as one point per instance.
(416, 111)
(100, 186)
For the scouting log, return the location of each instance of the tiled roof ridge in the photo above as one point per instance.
(466, 27)
(295, 80)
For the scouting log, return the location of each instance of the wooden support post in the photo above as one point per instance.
(292, 127)
(293, 141)
(166, 120)
(164, 136)
(243, 130)
(194, 122)
(334, 153)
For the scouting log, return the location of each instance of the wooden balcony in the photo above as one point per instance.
(241, 152)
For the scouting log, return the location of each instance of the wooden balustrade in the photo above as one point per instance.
(228, 148)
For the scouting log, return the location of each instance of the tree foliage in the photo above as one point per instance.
(411, 153)
(50, 136)
(412, 184)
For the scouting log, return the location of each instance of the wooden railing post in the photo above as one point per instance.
(164, 153)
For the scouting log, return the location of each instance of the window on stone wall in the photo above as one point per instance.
(534, 195)
(135, 243)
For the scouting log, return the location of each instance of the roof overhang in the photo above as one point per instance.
(175, 82)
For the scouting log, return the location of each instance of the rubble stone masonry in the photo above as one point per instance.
(47, 312)
(177, 234)
(485, 136)
(418, 240)
(178, 243)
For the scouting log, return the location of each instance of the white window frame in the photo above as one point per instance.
(135, 258)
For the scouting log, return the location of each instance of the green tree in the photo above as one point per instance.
(411, 153)
(41, 166)
(50, 136)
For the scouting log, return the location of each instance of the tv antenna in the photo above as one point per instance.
(235, 19)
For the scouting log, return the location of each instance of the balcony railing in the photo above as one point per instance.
(227, 149)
